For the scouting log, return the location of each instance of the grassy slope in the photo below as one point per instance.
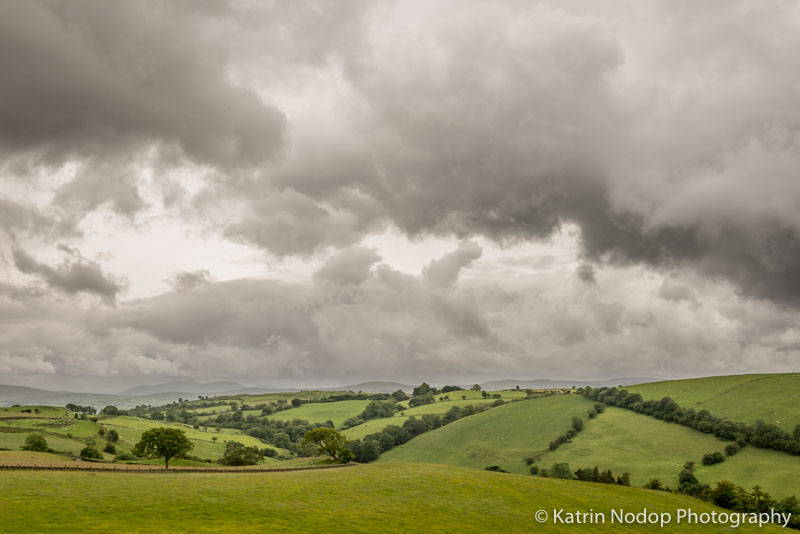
(646, 447)
(376, 498)
(322, 412)
(131, 428)
(501, 436)
(775, 398)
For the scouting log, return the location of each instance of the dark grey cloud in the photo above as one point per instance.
(93, 79)
(586, 273)
(71, 277)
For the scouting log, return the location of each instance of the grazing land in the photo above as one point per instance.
(501, 436)
(396, 497)
(773, 398)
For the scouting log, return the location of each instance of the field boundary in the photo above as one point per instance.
(173, 470)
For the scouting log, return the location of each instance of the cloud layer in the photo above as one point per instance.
(665, 136)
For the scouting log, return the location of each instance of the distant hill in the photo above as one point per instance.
(544, 383)
(184, 386)
(373, 387)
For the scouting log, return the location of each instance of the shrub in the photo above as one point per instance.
(560, 470)
(35, 442)
(731, 449)
(242, 456)
(124, 457)
(91, 453)
(496, 468)
(534, 469)
(577, 424)
(110, 448)
(713, 458)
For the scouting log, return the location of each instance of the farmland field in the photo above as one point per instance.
(773, 398)
(646, 447)
(500, 436)
(320, 412)
(393, 497)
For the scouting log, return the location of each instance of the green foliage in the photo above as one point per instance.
(157, 416)
(35, 442)
(110, 448)
(496, 468)
(731, 449)
(242, 456)
(713, 458)
(112, 435)
(560, 470)
(654, 484)
(330, 441)
(91, 453)
(164, 443)
(418, 400)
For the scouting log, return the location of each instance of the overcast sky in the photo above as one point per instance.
(318, 193)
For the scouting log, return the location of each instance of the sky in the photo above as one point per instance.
(315, 193)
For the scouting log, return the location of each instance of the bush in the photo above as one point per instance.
(731, 449)
(124, 457)
(36, 443)
(242, 456)
(713, 458)
(577, 424)
(91, 453)
(560, 470)
(496, 468)
(534, 469)
(110, 448)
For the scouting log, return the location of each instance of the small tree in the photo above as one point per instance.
(91, 453)
(35, 442)
(329, 440)
(242, 456)
(157, 416)
(163, 442)
(112, 435)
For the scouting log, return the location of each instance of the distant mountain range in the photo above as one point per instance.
(172, 391)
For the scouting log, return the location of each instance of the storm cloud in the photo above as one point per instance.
(657, 144)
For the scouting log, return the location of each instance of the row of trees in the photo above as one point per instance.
(761, 434)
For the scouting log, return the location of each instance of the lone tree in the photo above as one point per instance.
(35, 442)
(331, 441)
(163, 442)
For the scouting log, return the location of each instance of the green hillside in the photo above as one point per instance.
(646, 447)
(774, 398)
(500, 436)
(130, 430)
(320, 412)
(376, 498)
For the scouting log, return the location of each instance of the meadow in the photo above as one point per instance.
(501, 436)
(645, 447)
(773, 398)
(395, 497)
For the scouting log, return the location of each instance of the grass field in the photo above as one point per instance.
(376, 498)
(131, 428)
(500, 436)
(320, 412)
(646, 447)
(438, 408)
(775, 398)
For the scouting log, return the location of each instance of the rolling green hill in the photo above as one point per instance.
(774, 398)
(392, 497)
(647, 447)
(500, 436)
(320, 412)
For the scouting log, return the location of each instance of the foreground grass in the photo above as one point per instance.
(500, 436)
(774, 398)
(376, 498)
(622, 440)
